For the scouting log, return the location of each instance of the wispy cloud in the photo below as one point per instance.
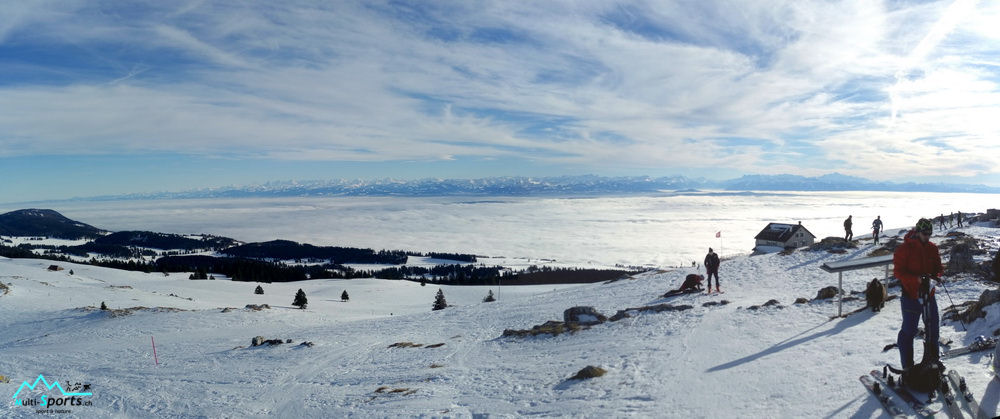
(810, 87)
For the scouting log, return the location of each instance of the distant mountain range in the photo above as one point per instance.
(839, 182)
(554, 186)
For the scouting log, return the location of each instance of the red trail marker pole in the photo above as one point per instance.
(154, 350)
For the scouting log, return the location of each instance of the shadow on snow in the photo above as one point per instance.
(793, 341)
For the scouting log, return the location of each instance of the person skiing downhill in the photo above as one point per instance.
(876, 228)
(848, 234)
(712, 268)
(915, 263)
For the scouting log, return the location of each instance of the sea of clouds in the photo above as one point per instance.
(665, 230)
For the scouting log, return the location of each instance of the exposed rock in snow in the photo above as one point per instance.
(589, 371)
(832, 244)
(630, 312)
(826, 293)
(583, 315)
(974, 309)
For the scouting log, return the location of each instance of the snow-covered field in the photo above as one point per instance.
(709, 361)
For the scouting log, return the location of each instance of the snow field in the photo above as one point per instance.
(717, 361)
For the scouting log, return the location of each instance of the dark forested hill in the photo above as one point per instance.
(164, 241)
(45, 222)
(289, 250)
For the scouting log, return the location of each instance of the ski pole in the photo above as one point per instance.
(953, 305)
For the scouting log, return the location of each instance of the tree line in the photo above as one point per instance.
(254, 270)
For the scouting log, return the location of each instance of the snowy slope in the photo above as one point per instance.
(714, 361)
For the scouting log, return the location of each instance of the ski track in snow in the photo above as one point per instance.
(715, 361)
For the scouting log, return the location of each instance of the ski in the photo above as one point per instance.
(965, 395)
(674, 293)
(892, 405)
(981, 344)
(923, 409)
(950, 402)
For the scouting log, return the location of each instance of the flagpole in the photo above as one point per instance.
(718, 235)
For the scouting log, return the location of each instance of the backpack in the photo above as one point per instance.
(924, 377)
(876, 295)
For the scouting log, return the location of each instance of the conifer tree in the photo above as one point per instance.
(439, 301)
(259, 290)
(344, 296)
(489, 298)
(300, 299)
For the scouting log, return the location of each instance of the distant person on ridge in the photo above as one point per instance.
(942, 221)
(712, 267)
(876, 227)
(915, 263)
(848, 234)
(960, 218)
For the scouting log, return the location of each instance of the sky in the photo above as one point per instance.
(109, 97)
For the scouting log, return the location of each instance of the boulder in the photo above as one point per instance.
(961, 259)
(551, 327)
(892, 244)
(629, 312)
(257, 341)
(826, 293)
(992, 215)
(996, 267)
(971, 311)
(832, 244)
(589, 371)
(583, 315)
(769, 303)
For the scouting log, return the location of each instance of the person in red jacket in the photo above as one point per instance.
(915, 263)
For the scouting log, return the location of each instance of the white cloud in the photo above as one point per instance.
(649, 84)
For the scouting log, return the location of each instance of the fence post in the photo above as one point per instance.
(153, 341)
(840, 294)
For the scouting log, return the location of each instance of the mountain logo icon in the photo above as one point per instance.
(55, 384)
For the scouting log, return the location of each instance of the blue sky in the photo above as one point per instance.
(108, 97)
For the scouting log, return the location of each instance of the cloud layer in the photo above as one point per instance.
(885, 90)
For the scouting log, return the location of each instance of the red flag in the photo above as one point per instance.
(718, 234)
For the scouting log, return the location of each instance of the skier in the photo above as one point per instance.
(915, 262)
(876, 227)
(847, 228)
(712, 268)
